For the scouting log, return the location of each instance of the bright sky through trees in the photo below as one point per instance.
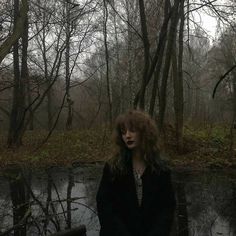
(209, 23)
(212, 17)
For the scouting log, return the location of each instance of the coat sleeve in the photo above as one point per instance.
(165, 216)
(110, 223)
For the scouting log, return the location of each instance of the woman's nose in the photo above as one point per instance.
(127, 134)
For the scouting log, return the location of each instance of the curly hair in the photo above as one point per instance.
(142, 123)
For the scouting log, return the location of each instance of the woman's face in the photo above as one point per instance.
(131, 138)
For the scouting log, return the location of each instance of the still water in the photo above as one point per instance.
(206, 201)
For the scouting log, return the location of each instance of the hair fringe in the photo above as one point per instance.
(146, 126)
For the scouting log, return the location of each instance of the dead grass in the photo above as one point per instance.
(89, 146)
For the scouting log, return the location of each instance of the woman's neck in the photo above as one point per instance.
(138, 161)
(137, 155)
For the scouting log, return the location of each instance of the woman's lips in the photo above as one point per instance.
(130, 142)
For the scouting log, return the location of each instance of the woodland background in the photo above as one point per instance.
(68, 68)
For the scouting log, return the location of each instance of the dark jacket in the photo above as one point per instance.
(117, 204)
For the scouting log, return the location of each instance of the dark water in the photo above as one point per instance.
(206, 201)
(211, 202)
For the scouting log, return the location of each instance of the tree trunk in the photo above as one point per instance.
(24, 74)
(16, 127)
(69, 120)
(118, 78)
(178, 84)
(69, 192)
(49, 106)
(146, 46)
(19, 195)
(160, 56)
(129, 56)
(29, 99)
(109, 89)
(19, 202)
(171, 40)
(18, 30)
(232, 132)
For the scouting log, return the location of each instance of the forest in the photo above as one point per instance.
(73, 66)
(68, 68)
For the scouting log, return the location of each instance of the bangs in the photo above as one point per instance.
(144, 125)
(125, 122)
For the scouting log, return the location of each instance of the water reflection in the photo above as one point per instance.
(62, 198)
(182, 228)
(59, 199)
(210, 203)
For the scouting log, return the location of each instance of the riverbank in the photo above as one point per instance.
(201, 195)
(201, 150)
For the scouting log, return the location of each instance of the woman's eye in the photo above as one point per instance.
(132, 129)
(123, 131)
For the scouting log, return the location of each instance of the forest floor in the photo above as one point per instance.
(203, 148)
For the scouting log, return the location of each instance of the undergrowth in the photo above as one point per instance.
(208, 147)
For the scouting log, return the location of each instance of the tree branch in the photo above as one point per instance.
(17, 32)
(221, 79)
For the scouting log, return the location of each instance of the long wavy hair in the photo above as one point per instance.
(142, 123)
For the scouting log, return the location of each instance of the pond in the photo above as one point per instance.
(206, 201)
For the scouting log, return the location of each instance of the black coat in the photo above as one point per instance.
(117, 204)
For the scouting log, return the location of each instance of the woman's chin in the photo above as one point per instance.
(131, 147)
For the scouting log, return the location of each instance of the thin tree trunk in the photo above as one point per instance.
(153, 63)
(178, 83)
(109, 90)
(146, 46)
(46, 73)
(160, 56)
(232, 128)
(29, 98)
(171, 40)
(67, 55)
(129, 56)
(49, 106)
(180, 79)
(24, 76)
(117, 67)
(69, 192)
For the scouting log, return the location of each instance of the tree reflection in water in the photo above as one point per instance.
(65, 198)
(182, 228)
(210, 202)
(59, 199)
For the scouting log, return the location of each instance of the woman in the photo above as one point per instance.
(135, 196)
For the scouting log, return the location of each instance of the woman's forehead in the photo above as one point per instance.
(127, 125)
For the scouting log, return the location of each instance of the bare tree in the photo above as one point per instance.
(160, 55)
(146, 46)
(16, 128)
(169, 47)
(19, 25)
(178, 83)
(109, 90)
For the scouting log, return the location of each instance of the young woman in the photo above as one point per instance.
(135, 196)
